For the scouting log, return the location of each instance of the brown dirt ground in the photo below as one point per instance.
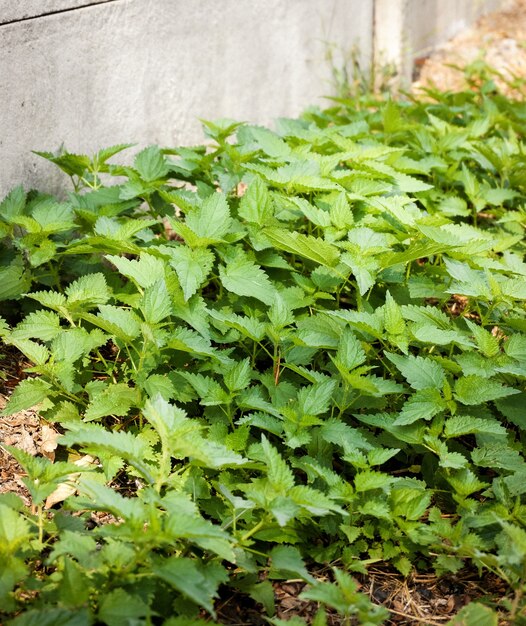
(497, 38)
(500, 39)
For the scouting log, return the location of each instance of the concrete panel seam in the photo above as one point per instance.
(93, 3)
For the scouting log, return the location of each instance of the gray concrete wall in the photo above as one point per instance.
(145, 70)
(93, 73)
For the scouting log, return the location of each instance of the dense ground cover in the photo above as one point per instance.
(283, 350)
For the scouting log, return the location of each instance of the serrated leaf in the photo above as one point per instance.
(156, 304)
(279, 473)
(245, 278)
(286, 561)
(256, 204)
(460, 425)
(43, 325)
(27, 394)
(308, 247)
(315, 399)
(115, 399)
(212, 219)
(424, 404)
(199, 582)
(151, 164)
(144, 271)
(393, 320)
(474, 389)
(192, 266)
(420, 372)
(486, 342)
(350, 353)
(119, 608)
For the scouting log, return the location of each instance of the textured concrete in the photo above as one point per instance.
(93, 73)
(144, 71)
(16, 10)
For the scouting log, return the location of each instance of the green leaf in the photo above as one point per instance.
(115, 399)
(13, 204)
(212, 219)
(238, 376)
(420, 372)
(486, 342)
(279, 473)
(256, 204)
(315, 399)
(198, 582)
(88, 291)
(350, 353)
(27, 394)
(286, 562)
(156, 304)
(144, 271)
(119, 608)
(14, 530)
(245, 278)
(393, 320)
(473, 389)
(475, 614)
(43, 325)
(308, 247)
(192, 266)
(14, 281)
(424, 404)
(151, 164)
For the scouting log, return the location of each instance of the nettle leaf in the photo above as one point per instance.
(515, 347)
(244, 278)
(27, 394)
(486, 342)
(192, 266)
(474, 389)
(88, 291)
(279, 474)
(156, 303)
(151, 164)
(13, 204)
(350, 353)
(144, 271)
(306, 246)
(238, 376)
(286, 561)
(420, 372)
(460, 425)
(422, 405)
(393, 320)
(115, 399)
(197, 581)
(121, 444)
(315, 399)
(211, 220)
(256, 205)
(43, 325)
(248, 326)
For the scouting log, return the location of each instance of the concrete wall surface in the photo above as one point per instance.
(93, 73)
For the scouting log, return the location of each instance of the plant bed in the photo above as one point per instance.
(278, 355)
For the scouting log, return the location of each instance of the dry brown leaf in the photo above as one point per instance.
(26, 443)
(68, 488)
(49, 442)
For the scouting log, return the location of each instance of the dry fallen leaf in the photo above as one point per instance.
(26, 443)
(68, 488)
(49, 441)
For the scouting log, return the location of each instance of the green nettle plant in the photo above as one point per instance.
(287, 348)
